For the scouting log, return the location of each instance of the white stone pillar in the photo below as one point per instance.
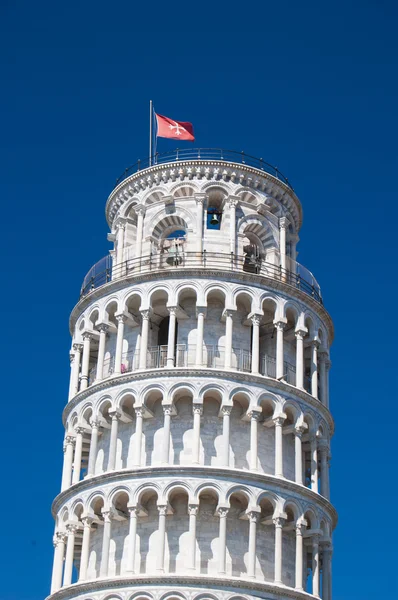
(299, 333)
(68, 462)
(162, 536)
(201, 314)
(87, 337)
(139, 414)
(133, 510)
(300, 527)
(328, 364)
(144, 339)
(92, 457)
(283, 225)
(103, 328)
(113, 439)
(327, 573)
(121, 319)
(59, 552)
(222, 548)
(298, 455)
(255, 416)
(322, 358)
(314, 463)
(255, 319)
(106, 541)
(233, 202)
(166, 435)
(171, 337)
(315, 565)
(120, 245)
(323, 450)
(74, 388)
(280, 326)
(200, 199)
(77, 463)
(87, 523)
(197, 413)
(278, 522)
(140, 212)
(192, 511)
(71, 529)
(226, 413)
(314, 368)
(253, 520)
(228, 338)
(279, 445)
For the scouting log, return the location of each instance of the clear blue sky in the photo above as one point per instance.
(311, 87)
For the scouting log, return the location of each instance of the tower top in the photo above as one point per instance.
(140, 180)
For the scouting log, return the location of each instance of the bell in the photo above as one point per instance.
(214, 219)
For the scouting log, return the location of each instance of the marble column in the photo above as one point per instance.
(144, 339)
(300, 528)
(140, 212)
(120, 245)
(139, 414)
(162, 536)
(278, 522)
(255, 319)
(233, 203)
(314, 463)
(106, 541)
(103, 329)
(315, 565)
(92, 457)
(166, 435)
(222, 540)
(121, 319)
(253, 520)
(171, 337)
(77, 463)
(280, 326)
(133, 511)
(87, 337)
(278, 421)
(228, 338)
(255, 416)
(71, 529)
(115, 415)
(200, 200)
(68, 462)
(197, 414)
(87, 524)
(314, 368)
(226, 413)
(78, 348)
(59, 552)
(298, 455)
(299, 333)
(201, 314)
(193, 512)
(324, 451)
(283, 225)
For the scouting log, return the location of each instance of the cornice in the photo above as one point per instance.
(183, 373)
(236, 277)
(149, 177)
(205, 582)
(224, 473)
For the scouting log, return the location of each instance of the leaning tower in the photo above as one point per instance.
(197, 431)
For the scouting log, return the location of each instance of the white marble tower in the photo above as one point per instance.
(197, 432)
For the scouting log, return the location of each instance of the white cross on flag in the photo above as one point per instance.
(176, 130)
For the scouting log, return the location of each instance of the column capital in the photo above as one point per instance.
(315, 342)
(301, 332)
(278, 522)
(95, 423)
(115, 414)
(121, 223)
(88, 335)
(107, 515)
(299, 430)
(253, 515)
(59, 537)
(255, 413)
(279, 420)
(284, 223)
(133, 511)
(280, 324)
(139, 210)
(300, 528)
(79, 430)
(162, 508)
(121, 317)
(167, 409)
(193, 509)
(222, 511)
(145, 314)
(72, 528)
(139, 411)
(233, 201)
(255, 318)
(72, 357)
(200, 197)
(226, 410)
(323, 449)
(103, 327)
(315, 539)
(172, 310)
(197, 408)
(77, 347)
(88, 520)
(228, 313)
(201, 310)
(69, 439)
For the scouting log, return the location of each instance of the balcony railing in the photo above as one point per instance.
(188, 154)
(185, 357)
(295, 275)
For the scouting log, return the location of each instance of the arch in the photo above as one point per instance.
(116, 492)
(183, 190)
(155, 195)
(180, 388)
(295, 506)
(167, 224)
(312, 519)
(174, 487)
(273, 498)
(240, 489)
(145, 489)
(217, 388)
(210, 487)
(260, 227)
(141, 596)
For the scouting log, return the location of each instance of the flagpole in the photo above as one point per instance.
(150, 131)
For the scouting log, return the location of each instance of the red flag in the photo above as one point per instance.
(176, 130)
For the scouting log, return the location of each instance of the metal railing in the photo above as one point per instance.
(187, 154)
(295, 275)
(213, 357)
